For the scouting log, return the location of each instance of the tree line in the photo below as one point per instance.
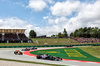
(87, 32)
(33, 34)
(60, 35)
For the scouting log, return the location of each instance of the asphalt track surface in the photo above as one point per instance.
(8, 53)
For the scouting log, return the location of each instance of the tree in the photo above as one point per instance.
(60, 35)
(53, 36)
(65, 33)
(81, 32)
(71, 34)
(32, 34)
(99, 33)
(87, 32)
(76, 33)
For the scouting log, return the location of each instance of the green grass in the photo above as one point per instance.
(68, 53)
(48, 41)
(94, 50)
(52, 41)
(17, 44)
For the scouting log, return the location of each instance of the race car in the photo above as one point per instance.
(33, 48)
(69, 46)
(28, 49)
(17, 52)
(48, 57)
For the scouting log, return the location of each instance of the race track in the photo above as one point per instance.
(8, 53)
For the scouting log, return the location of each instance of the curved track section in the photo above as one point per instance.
(9, 54)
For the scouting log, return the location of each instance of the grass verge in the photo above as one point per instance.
(94, 50)
(68, 53)
(47, 41)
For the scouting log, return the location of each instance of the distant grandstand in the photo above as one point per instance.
(13, 35)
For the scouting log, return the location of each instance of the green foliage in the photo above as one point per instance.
(53, 36)
(87, 32)
(32, 34)
(65, 33)
(60, 35)
(71, 34)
